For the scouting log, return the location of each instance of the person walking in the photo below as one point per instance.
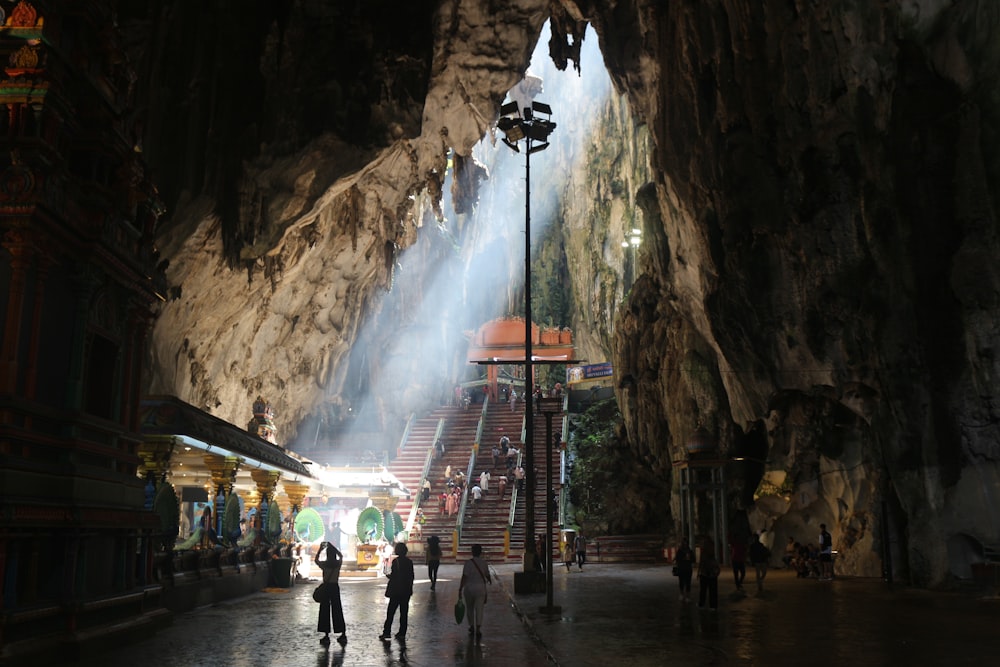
(433, 559)
(475, 576)
(738, 558)
(399, 590)
(580, 545)
(684, 562)
(331, 611)
(759, 555)
(567, 554)
(708, 577)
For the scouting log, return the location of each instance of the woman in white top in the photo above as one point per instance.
(475, 576)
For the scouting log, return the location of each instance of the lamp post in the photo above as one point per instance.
(546, 407)
(634, 241)
(518, 124)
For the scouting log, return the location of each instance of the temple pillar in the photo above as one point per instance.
(20, 250)
(35, 339)
(385, 501)
(84, 291)
(266, 481)
(296, 492)
(223, 470)
(155, 455)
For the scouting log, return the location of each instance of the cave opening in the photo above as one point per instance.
(466, 267)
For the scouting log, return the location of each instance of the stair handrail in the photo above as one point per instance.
(563, 442)
(482, 421)
(465, 499)
(563, 458)
(513, 496)
(468, 474)
(424, 474)
(406, 432)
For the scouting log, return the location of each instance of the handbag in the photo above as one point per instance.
(459, 610)
(320, 593)
(676, 571)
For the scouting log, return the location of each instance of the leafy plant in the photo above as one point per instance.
(611, 489)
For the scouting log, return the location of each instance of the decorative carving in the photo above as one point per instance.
(24, 59)
(24, 15)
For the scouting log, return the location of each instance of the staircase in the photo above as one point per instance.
(408, 464)
(485, 523)
(458, 436)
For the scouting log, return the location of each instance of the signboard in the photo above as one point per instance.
(589, 372)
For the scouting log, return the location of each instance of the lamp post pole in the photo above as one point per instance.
(529, 381)
(549, 608)
(517, 124)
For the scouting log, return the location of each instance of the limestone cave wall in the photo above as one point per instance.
(825, 225)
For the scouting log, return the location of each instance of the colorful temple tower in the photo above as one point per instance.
(262, 424)
(78, 287)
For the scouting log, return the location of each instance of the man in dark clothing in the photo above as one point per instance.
(738, 558)
(399, 590)
(825, 553)
(759, 557)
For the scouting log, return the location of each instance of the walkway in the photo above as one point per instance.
(611, 615)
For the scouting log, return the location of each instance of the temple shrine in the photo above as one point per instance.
(499, 345)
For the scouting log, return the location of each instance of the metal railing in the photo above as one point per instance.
(424, 473)
(406, 432)
(513, 506)
(468, 479)
(482, 422)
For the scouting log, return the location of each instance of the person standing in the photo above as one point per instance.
(580, 545)
(567, 554)
(433, 559)
(330, 607)
(684, 561)
(708, 577)
(759, 556)
(825, 554)
(738, 557)
(399, 590)
(336, 533)
(475, 576)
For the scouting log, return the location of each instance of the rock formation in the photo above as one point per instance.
(817, 281)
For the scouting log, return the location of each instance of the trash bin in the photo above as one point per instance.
(281, 572)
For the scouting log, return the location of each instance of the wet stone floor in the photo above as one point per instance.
(609, 615)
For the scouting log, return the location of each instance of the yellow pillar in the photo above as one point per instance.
(266, 481)
(296, 493)
(155, 455)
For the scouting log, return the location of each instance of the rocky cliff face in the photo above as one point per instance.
(816, 283)
(821, 263)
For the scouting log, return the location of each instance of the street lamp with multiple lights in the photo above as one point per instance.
(633, 241)
(533, 124)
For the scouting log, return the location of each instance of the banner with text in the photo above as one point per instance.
(576, 374)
